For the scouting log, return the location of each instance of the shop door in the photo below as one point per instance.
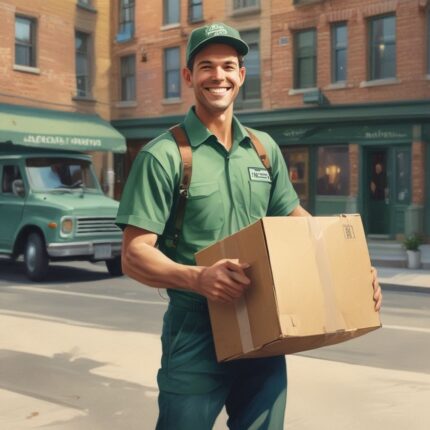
(387, 189)
(378, 188)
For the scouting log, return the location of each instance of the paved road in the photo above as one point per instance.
(80, 352)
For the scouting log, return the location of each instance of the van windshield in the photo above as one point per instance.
(48, 174)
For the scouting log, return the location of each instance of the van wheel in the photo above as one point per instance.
(35, 257)
(114, 266)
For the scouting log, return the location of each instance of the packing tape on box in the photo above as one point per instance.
(241, 312)
(333, 318)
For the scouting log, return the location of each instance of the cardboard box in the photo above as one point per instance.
(311, 286)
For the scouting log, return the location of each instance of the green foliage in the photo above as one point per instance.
(412, 242)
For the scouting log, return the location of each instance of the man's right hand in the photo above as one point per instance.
(225, 281)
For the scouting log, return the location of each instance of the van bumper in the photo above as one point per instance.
(96, 250)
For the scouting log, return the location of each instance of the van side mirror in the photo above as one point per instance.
(18, 187)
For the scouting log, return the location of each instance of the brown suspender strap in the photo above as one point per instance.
(185, 151)
(259, 149)
(187, 161)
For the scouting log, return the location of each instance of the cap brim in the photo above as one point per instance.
(240, 46)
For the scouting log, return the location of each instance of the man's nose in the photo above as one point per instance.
(218, 73)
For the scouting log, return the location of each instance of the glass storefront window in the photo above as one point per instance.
(297, 160)
(403, 175)
(333, 171)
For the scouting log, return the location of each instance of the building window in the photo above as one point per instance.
(171, 12)
(339, 44)
(128, 78)
(126, 20)
(172, 76)
(25, 41)
(305, 62)
(382, 47)
(87, 3)
(251, 88)
(244, 4)
(428, 41)
(333, 171)
(83, 69)
(195, 10)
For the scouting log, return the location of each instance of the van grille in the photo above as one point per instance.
(100, 225)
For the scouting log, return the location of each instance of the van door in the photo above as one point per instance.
(11, 204)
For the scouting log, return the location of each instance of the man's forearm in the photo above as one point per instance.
(146, 264)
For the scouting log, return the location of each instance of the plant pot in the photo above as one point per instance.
(414, 259)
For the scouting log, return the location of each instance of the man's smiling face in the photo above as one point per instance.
(216, 78)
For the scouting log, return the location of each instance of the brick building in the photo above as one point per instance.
(343, 87)
(56, 67)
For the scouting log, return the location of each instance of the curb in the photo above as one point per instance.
(404, 288)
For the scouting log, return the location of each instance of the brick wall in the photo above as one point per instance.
(412, 82)
(53, 86)
(151, 38)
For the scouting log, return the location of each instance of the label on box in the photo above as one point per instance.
(348, 231)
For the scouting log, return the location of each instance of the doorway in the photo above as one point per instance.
(387, 189)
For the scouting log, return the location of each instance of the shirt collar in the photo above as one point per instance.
(198, 133)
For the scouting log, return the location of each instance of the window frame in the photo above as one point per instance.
(167, 71)
(85, 3)
(166, 7)
(33, 41)
(88, 54)
(251, 37)
(372, 76)
(239, 5)
(126, 26)
(191, 5)
(428, 41)
(335, 48)
(124, 76)
(297, 85)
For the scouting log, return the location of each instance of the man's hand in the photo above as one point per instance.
(377, 293)
(225, 281)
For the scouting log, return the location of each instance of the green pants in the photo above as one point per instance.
(194, 387)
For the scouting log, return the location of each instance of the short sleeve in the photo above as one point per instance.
(147, 196)
(283, 197)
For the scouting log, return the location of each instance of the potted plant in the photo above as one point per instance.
(411, 244)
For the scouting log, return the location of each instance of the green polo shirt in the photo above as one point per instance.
(229, 189)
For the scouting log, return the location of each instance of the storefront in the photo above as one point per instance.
(369, 159)
(44, 128)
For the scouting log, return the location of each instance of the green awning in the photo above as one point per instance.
(43, 128)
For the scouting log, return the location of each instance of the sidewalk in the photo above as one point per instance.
(402, 279)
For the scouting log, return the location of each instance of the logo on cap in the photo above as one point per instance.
(216, 30)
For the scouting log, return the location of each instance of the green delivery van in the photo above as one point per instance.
(52, 208)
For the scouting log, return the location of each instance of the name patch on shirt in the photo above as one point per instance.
(259, 174)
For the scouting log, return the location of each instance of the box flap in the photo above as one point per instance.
(325, 276)
(252, 321)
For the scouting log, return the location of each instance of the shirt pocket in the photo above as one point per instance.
(259, 199)
(204, 208)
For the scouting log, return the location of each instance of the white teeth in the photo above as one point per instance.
(218, 90)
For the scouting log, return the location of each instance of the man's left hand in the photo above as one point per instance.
(377, 292)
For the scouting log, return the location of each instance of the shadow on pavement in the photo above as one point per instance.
(65, 380)
(14, 271)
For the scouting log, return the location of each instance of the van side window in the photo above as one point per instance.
(10, 173)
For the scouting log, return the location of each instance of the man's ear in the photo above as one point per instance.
(186, 74)
(242, 74)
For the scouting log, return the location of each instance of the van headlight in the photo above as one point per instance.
(66, 226)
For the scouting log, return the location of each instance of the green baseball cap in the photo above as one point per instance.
(214, 33)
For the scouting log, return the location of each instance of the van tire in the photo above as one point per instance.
(35, 257)
(114, 266)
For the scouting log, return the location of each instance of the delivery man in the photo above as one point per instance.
(230, 188)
